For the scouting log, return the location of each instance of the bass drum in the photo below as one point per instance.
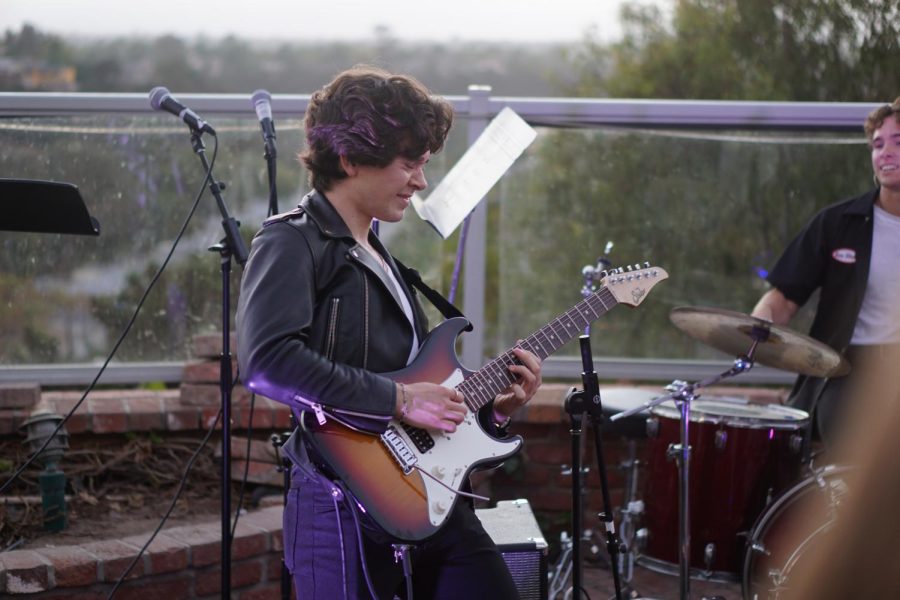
(789, 527)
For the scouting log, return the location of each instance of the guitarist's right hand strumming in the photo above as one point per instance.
(430, 406)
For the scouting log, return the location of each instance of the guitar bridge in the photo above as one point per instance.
(405, 457)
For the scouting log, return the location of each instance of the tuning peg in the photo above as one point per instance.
(646, 264)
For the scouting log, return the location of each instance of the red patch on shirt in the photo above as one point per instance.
(844, 255)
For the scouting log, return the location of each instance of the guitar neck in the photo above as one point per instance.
(483, 385)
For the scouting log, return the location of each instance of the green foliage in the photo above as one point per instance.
(818, 50)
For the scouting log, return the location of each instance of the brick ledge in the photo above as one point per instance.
(24, 573)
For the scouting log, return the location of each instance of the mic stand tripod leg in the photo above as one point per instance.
(613, 543)
(577, 404)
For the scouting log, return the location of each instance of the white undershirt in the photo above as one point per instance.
(407, 310)
(879, 315)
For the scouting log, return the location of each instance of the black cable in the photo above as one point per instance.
(162, 522)
(350, 501)
(127, 329)
(237, 511)
(340, 528)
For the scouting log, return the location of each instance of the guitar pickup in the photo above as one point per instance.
(404, 456)
(420, 437)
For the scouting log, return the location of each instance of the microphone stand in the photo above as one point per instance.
(270, 155)
(232, 245)
(577, 404)
(284, 463)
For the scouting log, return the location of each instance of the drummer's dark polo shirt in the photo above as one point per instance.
(831, 252)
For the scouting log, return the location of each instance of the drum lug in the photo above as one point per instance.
(640, 539)
(652, 427)
(709, 556)
(673, 452)
(721, 439)
(796, 443)
(760, 548)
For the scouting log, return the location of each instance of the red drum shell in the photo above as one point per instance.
(742, 456)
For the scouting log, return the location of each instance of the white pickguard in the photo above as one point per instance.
(452, 456)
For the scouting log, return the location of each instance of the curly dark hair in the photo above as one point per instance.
(876, 117)
(371, 117)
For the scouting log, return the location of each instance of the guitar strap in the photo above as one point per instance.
(413, 279)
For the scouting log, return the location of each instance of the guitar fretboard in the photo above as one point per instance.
(482, 385)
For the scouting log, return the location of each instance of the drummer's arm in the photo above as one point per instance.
(775, 307)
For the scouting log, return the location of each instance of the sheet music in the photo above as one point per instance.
(470, 179)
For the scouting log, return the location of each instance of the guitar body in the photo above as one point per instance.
(408, 479)
(409, 505)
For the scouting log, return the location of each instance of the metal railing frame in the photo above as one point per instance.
(477, 108)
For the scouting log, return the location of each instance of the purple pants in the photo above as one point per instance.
(321, 550)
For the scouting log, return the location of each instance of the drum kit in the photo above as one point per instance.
(738, 466)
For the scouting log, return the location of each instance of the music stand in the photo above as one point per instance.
(44, 207)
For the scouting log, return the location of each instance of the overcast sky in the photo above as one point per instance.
(493, 20)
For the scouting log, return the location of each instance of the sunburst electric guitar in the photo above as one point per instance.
(408, 479)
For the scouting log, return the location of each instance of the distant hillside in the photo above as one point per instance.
(232, 64)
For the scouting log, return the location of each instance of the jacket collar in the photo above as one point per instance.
(324, 215)
(329, 221)
(862, 205)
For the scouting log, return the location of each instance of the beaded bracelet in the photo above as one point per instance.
(404, 401)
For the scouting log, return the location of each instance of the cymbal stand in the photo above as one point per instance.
(683, 394)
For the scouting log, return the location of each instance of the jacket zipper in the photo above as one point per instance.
(331, 339)
(365, 364)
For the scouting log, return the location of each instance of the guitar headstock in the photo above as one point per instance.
(630, 285)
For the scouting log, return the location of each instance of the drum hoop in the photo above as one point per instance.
(795, 419)
(763, 522)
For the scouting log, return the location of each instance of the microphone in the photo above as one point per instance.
(262, 103)
(162, 99)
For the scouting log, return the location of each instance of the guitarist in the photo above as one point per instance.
(324, 309)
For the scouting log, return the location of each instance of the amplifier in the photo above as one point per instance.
(512, 526)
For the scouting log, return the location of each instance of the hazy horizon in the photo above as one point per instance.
(347, 20)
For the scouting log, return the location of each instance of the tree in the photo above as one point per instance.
(818, 50)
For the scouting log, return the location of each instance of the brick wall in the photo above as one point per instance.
(182, 562)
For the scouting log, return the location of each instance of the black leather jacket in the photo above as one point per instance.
(318, 318)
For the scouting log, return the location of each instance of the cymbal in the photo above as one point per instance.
(779, 347)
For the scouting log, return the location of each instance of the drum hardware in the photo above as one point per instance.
(721, 439)
(709, 556)
(629, 515)
(751, 340)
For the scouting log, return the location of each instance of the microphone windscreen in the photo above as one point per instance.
(157, 95)
(262, 103)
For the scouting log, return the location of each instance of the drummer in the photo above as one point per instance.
(849, 251)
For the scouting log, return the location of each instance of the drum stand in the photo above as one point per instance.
(579, 402)
(683, 393)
